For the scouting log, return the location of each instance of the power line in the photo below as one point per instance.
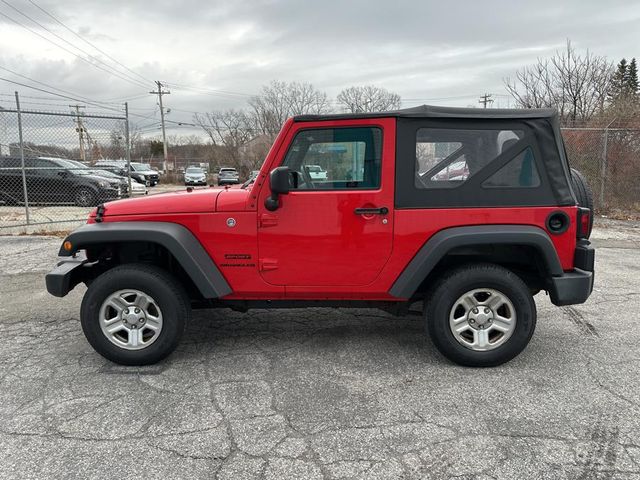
(110, 72)
(208, 91)
(60, 95)
(88, 42)
(84, 99)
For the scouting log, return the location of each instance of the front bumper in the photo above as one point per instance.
(66, 275)
(575, 287)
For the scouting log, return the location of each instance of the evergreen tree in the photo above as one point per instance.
(631, 79)
(618, 82)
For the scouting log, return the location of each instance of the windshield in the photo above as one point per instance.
(194, 170)
(73, 165)
(140, 167)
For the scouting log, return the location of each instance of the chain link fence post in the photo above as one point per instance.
(603, 168)
(24, 175)
(127, 148)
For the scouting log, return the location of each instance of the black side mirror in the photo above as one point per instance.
(279, 182)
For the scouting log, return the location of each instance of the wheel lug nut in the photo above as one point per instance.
(141, 320)
(486, 310)
(471, 320)
(475, 310)
(137, 310)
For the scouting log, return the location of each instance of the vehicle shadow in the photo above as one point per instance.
(312, 330)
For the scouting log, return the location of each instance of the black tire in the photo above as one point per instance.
(84, 197)
(452, 286)
(583, 193)
(153, 281)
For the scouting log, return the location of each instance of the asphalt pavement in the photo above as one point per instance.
(321, 393)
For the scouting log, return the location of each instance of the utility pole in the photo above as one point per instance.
(80, 130)
(160, 93)
(485, 99)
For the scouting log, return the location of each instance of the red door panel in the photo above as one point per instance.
(316, 238)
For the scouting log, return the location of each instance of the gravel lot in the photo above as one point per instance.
(321, 392)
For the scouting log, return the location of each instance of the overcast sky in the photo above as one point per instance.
(438, 52)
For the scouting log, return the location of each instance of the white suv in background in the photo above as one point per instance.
(316, 172)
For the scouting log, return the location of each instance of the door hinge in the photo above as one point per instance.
(268, 264)
(267, 220)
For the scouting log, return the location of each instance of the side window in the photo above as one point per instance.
(446, 158)
(42, 163)
(336, 158)
(42, 167)
(521, 172)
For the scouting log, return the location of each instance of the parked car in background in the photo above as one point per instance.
(149, 173)
(316, 172)
(120, 168)
(228, 176)
(55, 181)
(252, 178)
(137, 188)
(195, 176)
(141, 172)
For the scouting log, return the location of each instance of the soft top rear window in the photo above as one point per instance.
(443, 163)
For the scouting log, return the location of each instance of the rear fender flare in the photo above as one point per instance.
(446, 240)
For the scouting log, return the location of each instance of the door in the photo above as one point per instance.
(48, 182)
(333, 228)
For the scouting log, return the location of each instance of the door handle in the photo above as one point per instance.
(371, 211)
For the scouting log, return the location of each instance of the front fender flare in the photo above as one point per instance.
(445, 240)
(178, 240)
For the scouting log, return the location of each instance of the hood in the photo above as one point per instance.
(183, 201)
(232, 199)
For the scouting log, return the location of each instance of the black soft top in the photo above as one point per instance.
(431, 111)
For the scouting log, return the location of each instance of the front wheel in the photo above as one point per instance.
(481, 315)
(84, 197)
(135, 314)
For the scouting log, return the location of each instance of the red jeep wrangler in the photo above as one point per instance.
(470, 211)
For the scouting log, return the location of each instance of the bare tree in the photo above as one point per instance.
(576, 85)
(280, 100)
(368, 99)
(228, 130)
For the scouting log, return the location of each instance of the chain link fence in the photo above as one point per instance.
(610, 160)
(53, 165)
(56, 166)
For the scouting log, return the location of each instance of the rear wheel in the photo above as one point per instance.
(480, 315)
(135, 314)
